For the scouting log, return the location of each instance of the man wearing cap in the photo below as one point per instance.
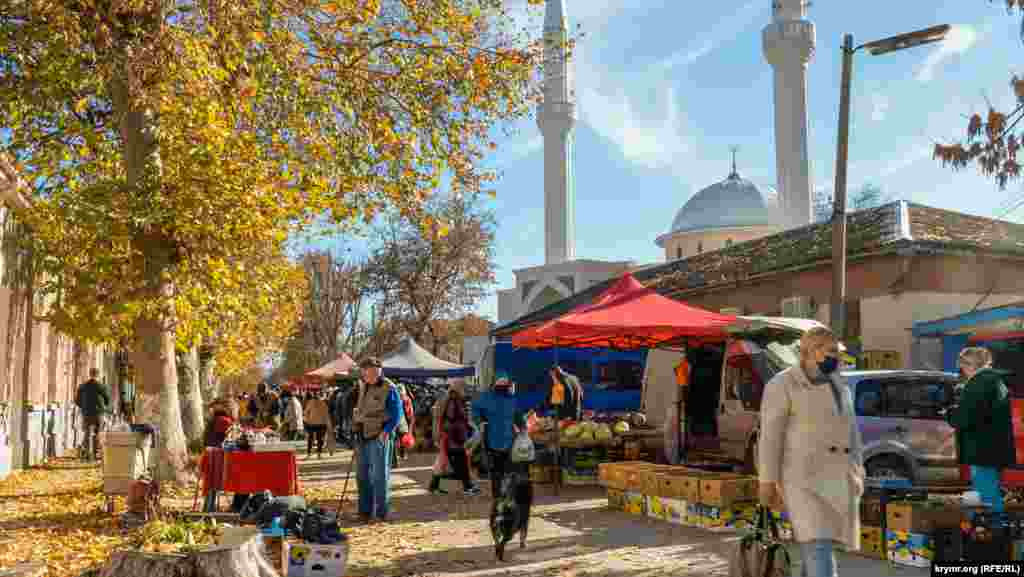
(378, 414)
(498, 408)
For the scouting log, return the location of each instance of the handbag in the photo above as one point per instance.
(522, 449)
(760, 553)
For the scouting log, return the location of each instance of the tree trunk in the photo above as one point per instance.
(157, 399)
(191, 397)
(244, 560)
(207, 382)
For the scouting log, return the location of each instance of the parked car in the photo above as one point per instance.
(904, 432)
(898, 412)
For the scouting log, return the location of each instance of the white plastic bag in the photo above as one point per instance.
(522, 449)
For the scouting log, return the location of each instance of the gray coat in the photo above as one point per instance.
(813, 448)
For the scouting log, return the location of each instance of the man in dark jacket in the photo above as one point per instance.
(982, 422)
(93, 400)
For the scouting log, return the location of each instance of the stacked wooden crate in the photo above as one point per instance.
(910, 526)
(684, 496)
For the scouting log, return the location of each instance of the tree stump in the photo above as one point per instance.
(246, 559)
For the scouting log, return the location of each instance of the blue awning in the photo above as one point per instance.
(976, 321)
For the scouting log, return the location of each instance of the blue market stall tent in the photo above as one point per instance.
(411, 361)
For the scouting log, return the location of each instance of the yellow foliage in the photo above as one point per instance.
(255, 117)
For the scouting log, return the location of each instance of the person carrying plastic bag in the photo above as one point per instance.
(498, 409)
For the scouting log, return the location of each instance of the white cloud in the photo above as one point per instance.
(879, 106)
(650, 133)
(912, 156)
(727, 28)
(959, 40)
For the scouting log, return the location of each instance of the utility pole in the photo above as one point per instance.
(838, 307)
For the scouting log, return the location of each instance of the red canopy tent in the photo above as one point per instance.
(626, 316)
(340, 366)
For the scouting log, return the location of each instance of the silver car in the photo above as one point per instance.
(900, 419)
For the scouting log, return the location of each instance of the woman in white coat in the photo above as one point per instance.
(809, 457)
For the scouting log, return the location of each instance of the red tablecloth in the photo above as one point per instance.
(249, 472)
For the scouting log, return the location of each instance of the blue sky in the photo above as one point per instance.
(665, 88)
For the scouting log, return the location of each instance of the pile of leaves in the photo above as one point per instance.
(176, 536)
(55, 514)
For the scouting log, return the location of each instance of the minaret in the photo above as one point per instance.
(556, 118)
(788, 47)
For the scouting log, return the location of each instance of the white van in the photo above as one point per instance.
(720, 407)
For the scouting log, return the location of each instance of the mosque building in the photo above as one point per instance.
(738, 248)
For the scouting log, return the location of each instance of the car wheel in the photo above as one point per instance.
(887, 467)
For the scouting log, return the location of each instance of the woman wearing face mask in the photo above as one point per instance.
(982, 423)
(809, 457)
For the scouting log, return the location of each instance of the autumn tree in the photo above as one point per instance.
(992, 138)
(170, 142)
(441, 271)
(334, 319)
(867, 196)
(446, 335)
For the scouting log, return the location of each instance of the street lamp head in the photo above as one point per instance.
(908, 40)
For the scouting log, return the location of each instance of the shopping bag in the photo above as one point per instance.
(408, 441)
(522, 449)
(760, 553)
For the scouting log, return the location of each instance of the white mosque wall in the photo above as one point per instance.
(687, 244)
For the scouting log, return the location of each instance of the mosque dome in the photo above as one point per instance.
(734, 202)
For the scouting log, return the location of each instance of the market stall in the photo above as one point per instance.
(411, 361)
(250, 461)
(343, 365)
(627, 315)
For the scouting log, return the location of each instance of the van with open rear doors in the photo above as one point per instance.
(897, 411)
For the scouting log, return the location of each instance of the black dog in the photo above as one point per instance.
(510, 513)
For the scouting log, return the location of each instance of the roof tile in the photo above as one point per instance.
(868, 231)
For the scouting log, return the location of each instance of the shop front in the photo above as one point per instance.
(999, 329)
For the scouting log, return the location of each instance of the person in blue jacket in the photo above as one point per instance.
(497, 408)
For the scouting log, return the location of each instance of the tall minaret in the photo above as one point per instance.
(788, 47)
(556, 118)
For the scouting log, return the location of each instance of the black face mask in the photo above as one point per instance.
(828, 366)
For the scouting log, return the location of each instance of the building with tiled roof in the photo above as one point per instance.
(906, 263)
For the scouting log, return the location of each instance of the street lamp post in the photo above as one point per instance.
(876, 48)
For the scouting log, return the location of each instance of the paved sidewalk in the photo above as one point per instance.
(573, 534)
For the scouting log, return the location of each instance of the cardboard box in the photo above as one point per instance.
(579, 477)
(910, 549)
(1017, 551)
(314, 560)
(616, 499)
(691, 488)
(616, 474)
(634, 503)
(673, 485)
(543, 474)
(731, 518)
(920, 516)
(649, 482)
(694, 515)
(871, 511)
(722, 492)
(872, 542)
(668, 510)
